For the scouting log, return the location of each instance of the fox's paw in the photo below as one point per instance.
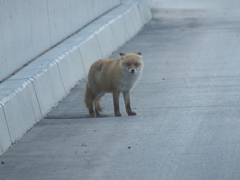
(118, 114)
(98, 113)
(132, 113)
(92, 115)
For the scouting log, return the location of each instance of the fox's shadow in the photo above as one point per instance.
(80, 116)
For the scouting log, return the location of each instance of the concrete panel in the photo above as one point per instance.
(117, 23)
(100, 7)
(145, 11)
(78, 13)
(5, 140)
(30, 27)
(20, 106)
(39, 38)
(49, 87)
(133, 20)
(106, 40)
(21, 40)
(90, 51)
(119, 31)
(56, 19)
(21, 32)
(36, 67)
(71, 68)
(6, 40)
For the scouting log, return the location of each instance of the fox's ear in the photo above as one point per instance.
(139, 53)
(122, 54)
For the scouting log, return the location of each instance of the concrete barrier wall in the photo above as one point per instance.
(28, 95)
(30, 27)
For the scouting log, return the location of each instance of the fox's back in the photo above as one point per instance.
(115, 74)
(104, 73)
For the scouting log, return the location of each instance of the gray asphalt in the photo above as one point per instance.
(188, 105)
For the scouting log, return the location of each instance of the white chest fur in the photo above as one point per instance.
(129, 80)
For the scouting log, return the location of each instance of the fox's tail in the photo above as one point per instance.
(87, 96)
(91, 100)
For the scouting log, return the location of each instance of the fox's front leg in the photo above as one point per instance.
(116, 95)
(126, 96)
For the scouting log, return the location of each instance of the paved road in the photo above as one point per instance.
(188, 104)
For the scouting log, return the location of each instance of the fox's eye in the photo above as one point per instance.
(136, 64)
(128, 64)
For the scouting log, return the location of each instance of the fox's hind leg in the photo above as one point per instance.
(98, 106)
(91, 108)
(90, 99)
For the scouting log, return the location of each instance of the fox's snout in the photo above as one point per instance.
(132, 71)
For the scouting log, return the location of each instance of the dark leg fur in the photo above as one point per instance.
(126, 96)
(116, 95)
(98, 107)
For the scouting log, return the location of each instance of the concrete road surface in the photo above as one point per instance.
(188, 104)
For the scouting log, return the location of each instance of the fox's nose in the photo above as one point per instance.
(132, 70)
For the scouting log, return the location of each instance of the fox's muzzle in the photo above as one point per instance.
(132, 71)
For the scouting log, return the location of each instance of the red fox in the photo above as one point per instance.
(112, 76)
